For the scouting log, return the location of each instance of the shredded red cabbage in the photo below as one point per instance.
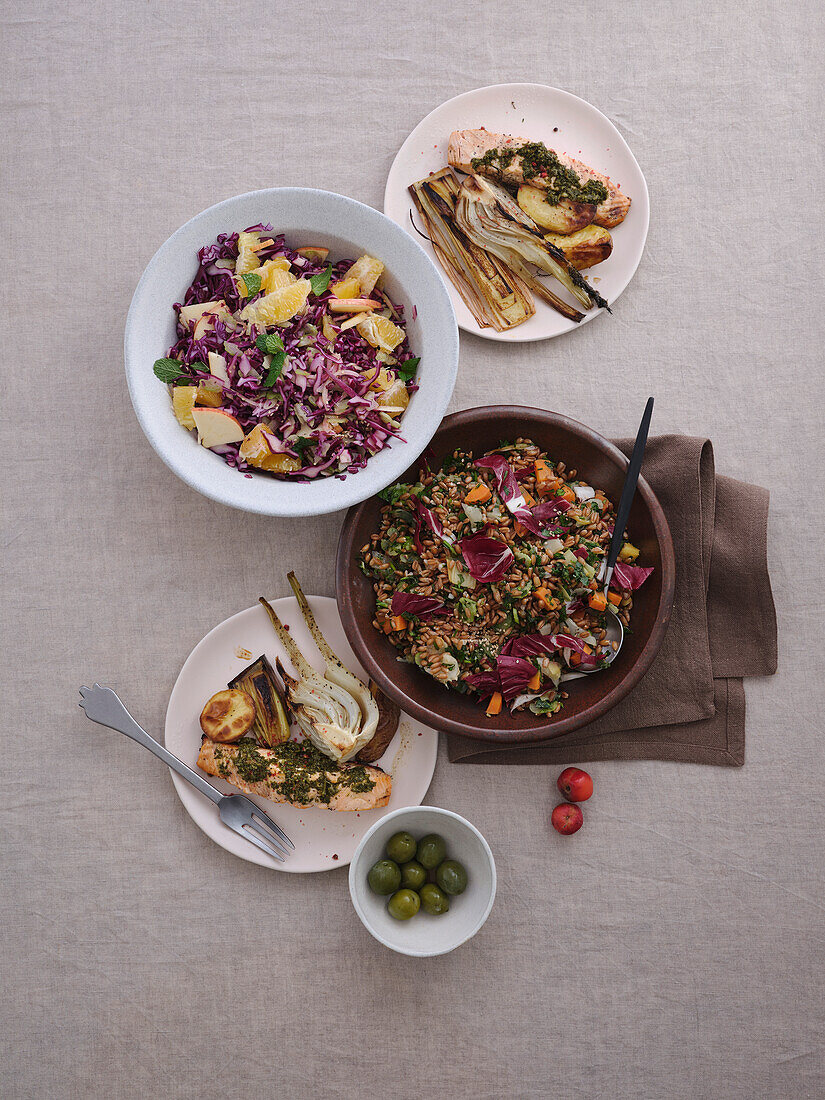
(320, 410)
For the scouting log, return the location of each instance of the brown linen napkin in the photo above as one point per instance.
(691, 704)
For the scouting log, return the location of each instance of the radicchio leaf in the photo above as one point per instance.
(537, 518)
(423, 607)
(425, 516)
(485, 682)
(506, 483)
(514, 674)
(629, 576)
(487, 558)
(535, 645)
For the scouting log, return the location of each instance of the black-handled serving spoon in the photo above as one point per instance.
(613, 626)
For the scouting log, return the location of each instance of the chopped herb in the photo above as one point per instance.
(252, 282)
(276, 366)
(561, 182)
(319, 283)
(269, 342)
(407, 369)
(167, 370)
(393, 493)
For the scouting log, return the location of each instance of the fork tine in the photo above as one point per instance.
(246, 832)
(265, 836)
(262, 818)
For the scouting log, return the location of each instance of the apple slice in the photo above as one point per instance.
(216, 427)
(217, 367)
(315, 252)
(190, 315)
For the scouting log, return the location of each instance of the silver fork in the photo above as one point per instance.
(237, 811)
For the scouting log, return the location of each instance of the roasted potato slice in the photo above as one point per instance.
(585, 248)
(566, 217)
(228, 716)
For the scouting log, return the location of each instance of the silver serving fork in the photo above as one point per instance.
(237, 811)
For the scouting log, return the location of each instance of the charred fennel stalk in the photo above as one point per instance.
(495, 296)
(489, 216)
(271, 725)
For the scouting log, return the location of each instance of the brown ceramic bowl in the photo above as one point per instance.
(603, 465)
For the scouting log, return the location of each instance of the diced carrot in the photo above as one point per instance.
(575, 658)
(586, 647)
(528, 500)
(542, 596)
(387, 627)
(494, 706)
(478, 495)
(568, 494)
(615, 598)
(543, 471)
(534, 681)
(399, 622)
(598, 601)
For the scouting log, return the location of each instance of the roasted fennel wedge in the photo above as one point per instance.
(271, 724)
(494, 295)
(329, 714)
(492, 219)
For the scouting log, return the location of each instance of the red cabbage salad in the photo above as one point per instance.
(286, 361)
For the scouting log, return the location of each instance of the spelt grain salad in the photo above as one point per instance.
(487, 571)
(287, 362)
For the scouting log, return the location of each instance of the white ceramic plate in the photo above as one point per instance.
(304, 216)
(530, 111)
(323, 839)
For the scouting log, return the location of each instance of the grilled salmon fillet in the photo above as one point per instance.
(465, 145)
(280, 775)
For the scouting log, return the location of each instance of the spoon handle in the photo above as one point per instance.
(628, 492)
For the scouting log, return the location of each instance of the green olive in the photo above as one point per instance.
(403, 904)
(413, 875)
(431, 851)
(384, 877)
(401, 847)
(451, 877)
(433, 900)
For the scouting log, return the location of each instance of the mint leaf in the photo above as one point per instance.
(301, 444)
(269, 342)
(407, 369)
(276, 367)
(252, 282)
(167, 370)
(319, 283)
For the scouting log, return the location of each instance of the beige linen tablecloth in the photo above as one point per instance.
(672, 948)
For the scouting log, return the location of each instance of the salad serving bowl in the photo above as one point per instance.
(598, 461)
(305, 217)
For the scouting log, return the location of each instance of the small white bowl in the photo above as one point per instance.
(423, 934)
(348, 228)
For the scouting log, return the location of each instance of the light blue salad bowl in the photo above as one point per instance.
(349, 229)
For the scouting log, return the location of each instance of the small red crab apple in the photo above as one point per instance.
(567, 818)
(575, 785)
